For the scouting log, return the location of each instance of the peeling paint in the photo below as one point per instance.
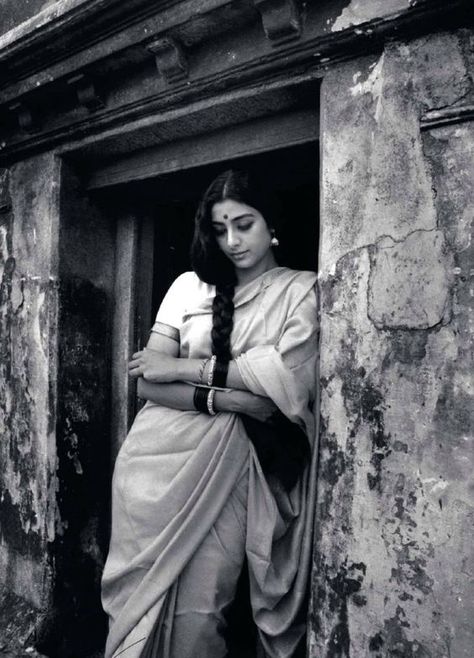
(372, 85)
(360, 11)
(410, 281)
(396, 367)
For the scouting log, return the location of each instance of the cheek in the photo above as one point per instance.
(221, 242)
(262, 238)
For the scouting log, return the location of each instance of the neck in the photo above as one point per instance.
(247, 275)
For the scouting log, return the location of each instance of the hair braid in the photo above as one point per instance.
(222, 321)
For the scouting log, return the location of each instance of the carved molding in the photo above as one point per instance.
(25, 116)
(308, 56)
(86, 92)
(447, 116)
(170, 59)
(281, 19)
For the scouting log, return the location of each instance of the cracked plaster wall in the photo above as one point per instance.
(31, 14)
(361, 11)
(28, 315)
(394, 567)
(56, 283)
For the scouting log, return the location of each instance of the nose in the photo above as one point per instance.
(232, 238)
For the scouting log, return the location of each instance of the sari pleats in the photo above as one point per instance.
(193, 621)
(190, 500)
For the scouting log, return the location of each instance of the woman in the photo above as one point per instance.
(232, 349)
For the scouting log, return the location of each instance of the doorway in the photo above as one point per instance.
(292, 176)
(143, 203)
(155, 220)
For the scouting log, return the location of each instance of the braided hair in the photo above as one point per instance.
(208, 260)
(282, 446)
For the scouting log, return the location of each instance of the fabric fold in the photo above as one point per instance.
(176, 470)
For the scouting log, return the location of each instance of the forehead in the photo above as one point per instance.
(228, 210)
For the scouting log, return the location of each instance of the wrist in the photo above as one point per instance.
(188, 369)
(234, 401)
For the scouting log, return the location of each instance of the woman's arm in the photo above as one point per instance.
(180, 396)
(159, 363)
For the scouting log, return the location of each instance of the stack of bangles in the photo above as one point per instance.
(216, 380)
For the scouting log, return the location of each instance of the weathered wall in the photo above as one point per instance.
(357, 12)
(28, 315)
(86, 258)
(13, 13)
(394, 568)
(56, 269)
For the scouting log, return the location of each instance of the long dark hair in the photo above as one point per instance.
(282, 447)
(210, 263)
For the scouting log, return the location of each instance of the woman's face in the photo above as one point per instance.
(243, 235)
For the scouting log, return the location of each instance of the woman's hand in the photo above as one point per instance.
(153, 366)
(255, 406)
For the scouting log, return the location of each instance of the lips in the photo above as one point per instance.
(239, 254)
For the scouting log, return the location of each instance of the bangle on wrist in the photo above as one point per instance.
(210, 402)
(202, 368)
(212, 366)
(200, 399)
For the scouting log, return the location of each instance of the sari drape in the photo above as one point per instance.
(176, 470)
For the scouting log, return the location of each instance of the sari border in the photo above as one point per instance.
(166, 330)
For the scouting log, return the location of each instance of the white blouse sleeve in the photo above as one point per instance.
(170, 314)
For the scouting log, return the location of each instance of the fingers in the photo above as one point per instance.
(136, 365)
(136, 373)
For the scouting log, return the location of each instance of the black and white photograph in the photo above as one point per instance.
(236, 329)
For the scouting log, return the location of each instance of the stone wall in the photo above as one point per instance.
(393, 557)
(28, 317)
(37, 12)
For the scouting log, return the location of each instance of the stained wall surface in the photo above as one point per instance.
(14, 13)
(394, 567)
(28, 316)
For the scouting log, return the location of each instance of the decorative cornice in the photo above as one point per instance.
(170, 59)
(77, 37)
(281, 20)
(310, 55)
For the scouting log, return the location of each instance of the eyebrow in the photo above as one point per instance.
(234, 219)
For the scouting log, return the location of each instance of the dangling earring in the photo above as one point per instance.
(275, 242)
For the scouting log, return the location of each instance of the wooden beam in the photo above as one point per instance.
(266, 134)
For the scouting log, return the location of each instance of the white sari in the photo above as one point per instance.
(177, 469)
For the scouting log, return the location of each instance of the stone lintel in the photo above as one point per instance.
(170, 59)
